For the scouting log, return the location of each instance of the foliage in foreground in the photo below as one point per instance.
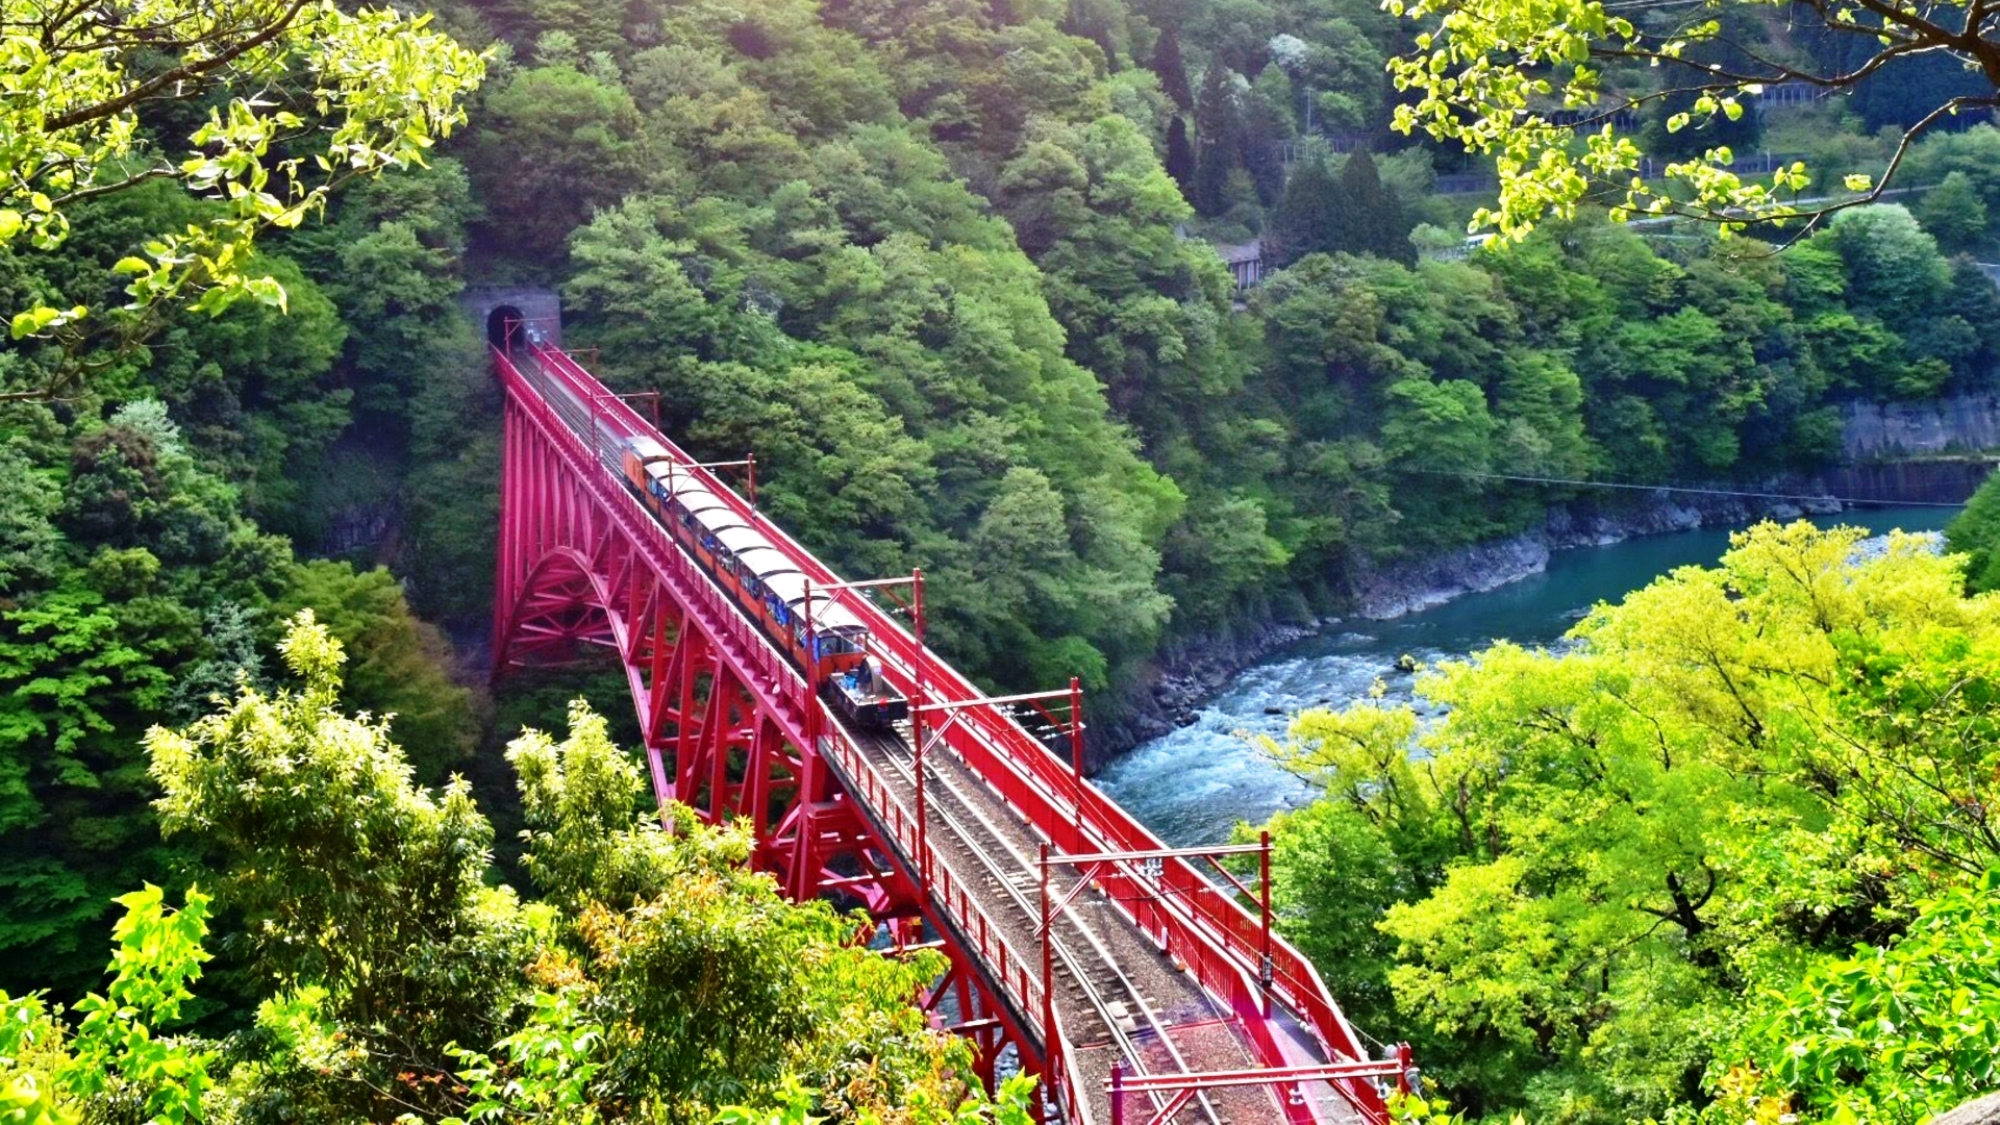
(340, 93)
(659, 980)
(1540, 90)
(1685, 861)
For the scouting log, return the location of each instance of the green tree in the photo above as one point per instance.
(553, 145)
(1172, 71)
(1975, 533)
(1603, 854)
(119, 1052)
(1308, 219)
(1180, 161)
(1955, 214)
(1573, 59)
(380, 90)
(98, 638)
(1217, 148)
(1368, 220)
(401, 667)
(360, 894)
(1896, 1033)
(1893, 267)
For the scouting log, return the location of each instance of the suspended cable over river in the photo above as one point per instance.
(1630, 486)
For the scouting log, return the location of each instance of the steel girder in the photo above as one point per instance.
(582, 567)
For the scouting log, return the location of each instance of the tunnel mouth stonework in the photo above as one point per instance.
(493, 307)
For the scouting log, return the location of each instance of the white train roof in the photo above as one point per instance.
(828, 615)
(787, 587)
(646, 448)
(764, 561)
(832, 617)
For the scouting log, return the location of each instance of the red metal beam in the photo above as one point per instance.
(728, 721)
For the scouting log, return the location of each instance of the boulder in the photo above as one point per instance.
(1981, 1111)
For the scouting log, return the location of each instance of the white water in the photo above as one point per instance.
(1194, 785)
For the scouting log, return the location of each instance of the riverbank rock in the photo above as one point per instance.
(1984, 1111)
(1401, 588)
(1183, 677)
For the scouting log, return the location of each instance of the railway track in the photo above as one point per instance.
(1101, 958)
(1116, 995)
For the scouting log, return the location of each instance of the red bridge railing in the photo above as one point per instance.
(1196, 921)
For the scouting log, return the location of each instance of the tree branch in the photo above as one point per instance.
(181, 73)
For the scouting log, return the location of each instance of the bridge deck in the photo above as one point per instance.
(1117, 995)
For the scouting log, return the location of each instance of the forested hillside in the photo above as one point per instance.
(949, 270)
(925, 263)
(1727, 858)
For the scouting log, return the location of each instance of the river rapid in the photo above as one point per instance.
(1193, 785)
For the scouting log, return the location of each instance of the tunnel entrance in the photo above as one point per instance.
(500, 323)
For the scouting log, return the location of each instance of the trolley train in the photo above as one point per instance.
(753, 572)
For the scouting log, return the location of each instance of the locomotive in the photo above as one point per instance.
(761, 580)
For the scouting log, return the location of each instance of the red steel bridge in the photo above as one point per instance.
(1142, 983)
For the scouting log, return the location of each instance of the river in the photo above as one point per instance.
(1190, 787)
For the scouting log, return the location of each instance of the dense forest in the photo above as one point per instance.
(949, 270)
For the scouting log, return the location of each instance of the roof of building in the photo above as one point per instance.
(1242, 251)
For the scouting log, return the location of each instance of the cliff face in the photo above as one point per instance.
(1926, 452)
(1895, 431)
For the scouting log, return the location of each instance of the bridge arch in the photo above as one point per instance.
(563, 602)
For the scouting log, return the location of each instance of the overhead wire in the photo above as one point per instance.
(1570, 482)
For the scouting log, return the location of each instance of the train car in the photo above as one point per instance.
(761, 579)
(838, 642)
(752, 565)
(858, 691)
(742, 557)
(694, 515)
(640, 454)
(783, 602)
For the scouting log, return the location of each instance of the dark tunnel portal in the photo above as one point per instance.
(498, 324)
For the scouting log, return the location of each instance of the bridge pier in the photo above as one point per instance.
(733, 729)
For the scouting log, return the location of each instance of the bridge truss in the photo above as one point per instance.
(1152, 994)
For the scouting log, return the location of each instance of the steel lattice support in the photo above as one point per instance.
(732, 730)
(581, 567)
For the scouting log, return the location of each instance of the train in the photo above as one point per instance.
(761, 580)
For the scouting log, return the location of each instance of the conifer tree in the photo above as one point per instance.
(1172, 71)
(1180, 155)
(1217, 151)
(1368, 219)
(1307, 220)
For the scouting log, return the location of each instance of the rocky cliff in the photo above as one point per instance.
(1900, 431)
(1927, 452)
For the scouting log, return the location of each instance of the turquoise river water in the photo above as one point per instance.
(1193, 785)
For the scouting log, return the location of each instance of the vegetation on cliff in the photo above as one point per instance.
(944, 266)
(1726, 857)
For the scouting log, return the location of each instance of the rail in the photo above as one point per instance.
(1016, 974)
(1209, 931)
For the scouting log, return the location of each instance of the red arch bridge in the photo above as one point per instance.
(1142, 983)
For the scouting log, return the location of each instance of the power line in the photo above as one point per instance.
(1570, 482)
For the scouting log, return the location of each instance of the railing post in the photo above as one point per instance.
(1264, 966)
(1117, 1092)
(917, 724)
(1049, 1044)
(1076, 759)
(812, 676)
